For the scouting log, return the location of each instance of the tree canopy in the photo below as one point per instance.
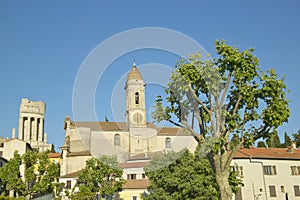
(101, 175)
(234, 103)
(180, 176)
(39, 175)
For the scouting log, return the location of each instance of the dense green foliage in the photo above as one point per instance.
(101, 175)
(287, 140)
(274, 141)
(180, 176)
(11, 177)
(233, 102)
(296, 137)
(40, 174)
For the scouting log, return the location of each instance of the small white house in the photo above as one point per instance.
(268, 173)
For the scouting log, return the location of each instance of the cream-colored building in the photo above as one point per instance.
(31, 124)
(268, 173)
(127, 140)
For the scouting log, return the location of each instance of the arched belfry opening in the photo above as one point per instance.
(137, 98)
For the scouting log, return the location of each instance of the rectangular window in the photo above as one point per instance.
(295, 170)
(270, 170)
(143, 176)
(68, 185)
(297, 190)
(131, 176)
(238, 169)
(272, 190)
(134, 198)
(282, 189)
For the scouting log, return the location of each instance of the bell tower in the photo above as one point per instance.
(135, 99)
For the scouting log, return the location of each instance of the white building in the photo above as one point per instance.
(268, 173)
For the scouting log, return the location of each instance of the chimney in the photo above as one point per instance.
(292, 148)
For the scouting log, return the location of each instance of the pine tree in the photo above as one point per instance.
(287, 140)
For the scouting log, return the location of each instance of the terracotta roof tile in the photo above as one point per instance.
(71, 175)
(122, 126)
(145, 156)
(80, 153)
(133, 165)
(53, 155)
(171, 131)
(268, 153)
(137, 184)
(102, 126)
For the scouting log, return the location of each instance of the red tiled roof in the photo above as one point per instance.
(122, 126)
(53, 155)
(134, 165)
(71, 175)
(137, 184)
(145, 156)
(171, 131)
(268, 153)
(102, 126)
(80, 153)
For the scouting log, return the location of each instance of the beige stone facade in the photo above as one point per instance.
(31, 124)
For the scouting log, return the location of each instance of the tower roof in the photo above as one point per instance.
(134, 74)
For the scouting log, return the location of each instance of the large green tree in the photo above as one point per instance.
(101, 175)
(11, 177)
(40, 174)
(180, 176)
(234, 104)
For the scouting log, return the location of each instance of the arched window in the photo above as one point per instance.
(168, 143)
(117, 140)
(137, 98)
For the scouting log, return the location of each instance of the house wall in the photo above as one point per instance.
(13, 145)
(129, 193)
(75, 163)
(257, 184)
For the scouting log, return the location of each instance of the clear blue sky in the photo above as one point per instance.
(43, 44)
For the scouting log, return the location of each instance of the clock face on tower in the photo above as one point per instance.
(137, 117)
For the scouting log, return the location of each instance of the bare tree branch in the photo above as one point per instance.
(232, 153)
(198, 100)
(237, 105)
(192, 131)
(226, 89)
(175, 123)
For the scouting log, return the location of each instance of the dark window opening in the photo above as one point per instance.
(117, 140)
(270, 170)
(297, 190)
(131, 176)
(168, 143)
(137, 98)
(68, 185)
(272, 190)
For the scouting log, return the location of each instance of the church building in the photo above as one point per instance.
(135, 140)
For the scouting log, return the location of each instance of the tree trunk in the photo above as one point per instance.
(224, 187)
(222, 171)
